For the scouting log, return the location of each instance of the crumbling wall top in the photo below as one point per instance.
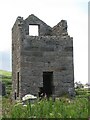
(44, 30)
(60, 29)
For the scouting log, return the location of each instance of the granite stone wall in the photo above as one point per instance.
(51, 51)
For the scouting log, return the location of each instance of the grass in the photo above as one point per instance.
(0, 106)
(6, 77)
(5, 73)
(61, 108)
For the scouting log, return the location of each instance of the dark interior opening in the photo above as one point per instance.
(17, 84)
(48, 83)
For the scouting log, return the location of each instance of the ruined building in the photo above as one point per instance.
(42, 60)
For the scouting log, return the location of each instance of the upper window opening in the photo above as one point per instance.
(33, 30)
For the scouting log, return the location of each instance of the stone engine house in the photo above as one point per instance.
(42, 60)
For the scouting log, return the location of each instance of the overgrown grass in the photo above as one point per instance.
(61, 108)
(0, 107)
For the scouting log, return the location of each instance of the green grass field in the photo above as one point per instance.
(6, 77)
(5, 73)
(63, 107)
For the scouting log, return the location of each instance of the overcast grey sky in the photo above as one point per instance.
(51, 12)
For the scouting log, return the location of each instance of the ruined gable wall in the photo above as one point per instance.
(60, 29)
(44, 29)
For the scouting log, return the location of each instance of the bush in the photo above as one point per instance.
(81, 91)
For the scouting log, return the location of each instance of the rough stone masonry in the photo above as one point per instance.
(44, 62)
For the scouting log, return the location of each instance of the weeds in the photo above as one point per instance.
(61, 108)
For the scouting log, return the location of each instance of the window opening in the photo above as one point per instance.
(33, 30)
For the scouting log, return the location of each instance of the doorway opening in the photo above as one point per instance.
(48, 83)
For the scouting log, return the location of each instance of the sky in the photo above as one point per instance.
(51, 12)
